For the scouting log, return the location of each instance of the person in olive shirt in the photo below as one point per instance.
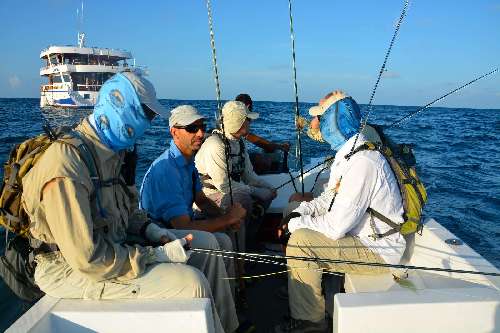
(90, 257)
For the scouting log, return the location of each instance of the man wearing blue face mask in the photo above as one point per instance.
(83, 216)
(336, 225)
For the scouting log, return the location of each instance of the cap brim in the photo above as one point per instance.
(158, 109)
(252, 115)
(316, 110)
(187, 120)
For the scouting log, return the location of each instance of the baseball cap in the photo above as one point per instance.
(184, 115)
(146, 93)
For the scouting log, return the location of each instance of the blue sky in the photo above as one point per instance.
(339, 44)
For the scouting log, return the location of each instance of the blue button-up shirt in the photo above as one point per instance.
(167, 187)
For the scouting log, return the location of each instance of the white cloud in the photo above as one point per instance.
(14, 81)
(390, 75)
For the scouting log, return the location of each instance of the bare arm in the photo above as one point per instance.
(268, 146)
(231, 219)
(207, 206)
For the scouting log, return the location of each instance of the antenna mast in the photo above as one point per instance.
(81, 34)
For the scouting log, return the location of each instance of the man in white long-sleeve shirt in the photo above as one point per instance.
(336, 224)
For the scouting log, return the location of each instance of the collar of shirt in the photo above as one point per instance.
(346, 148)
(177, 156)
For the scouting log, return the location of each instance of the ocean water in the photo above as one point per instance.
(458, 154)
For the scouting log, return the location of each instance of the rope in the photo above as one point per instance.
(341, 261)
(297, 113)
(382, 69)
(410, 115)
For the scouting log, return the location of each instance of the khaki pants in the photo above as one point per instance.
(250, 227)
(224, 201)
(304, 280)
(202, 277)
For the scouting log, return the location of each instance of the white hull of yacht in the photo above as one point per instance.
(428, 301)
(66, 98)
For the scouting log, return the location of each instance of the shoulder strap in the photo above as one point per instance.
(242, 147)
(91, 164)
(395, 227)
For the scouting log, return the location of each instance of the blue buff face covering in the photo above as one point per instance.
(118, 117)
(340, 122)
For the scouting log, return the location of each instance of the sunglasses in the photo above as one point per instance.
(193, 128)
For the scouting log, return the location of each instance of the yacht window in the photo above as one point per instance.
(56, 79)
(66, 78)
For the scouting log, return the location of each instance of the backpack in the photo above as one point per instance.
(403, 164)
(17, 265)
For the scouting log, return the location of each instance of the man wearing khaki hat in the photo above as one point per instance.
(247, 187)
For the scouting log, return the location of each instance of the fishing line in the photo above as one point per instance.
(382, 69)
(350, 262)
(297, 113)
(410, 115)
(314, 167)
(265, 261)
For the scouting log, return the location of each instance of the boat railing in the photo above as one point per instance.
(47, 87)
(88, 87)
(118, 67)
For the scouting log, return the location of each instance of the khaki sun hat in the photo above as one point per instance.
(326, 102)
(234, 114)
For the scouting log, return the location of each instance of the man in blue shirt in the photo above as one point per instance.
(172, 183)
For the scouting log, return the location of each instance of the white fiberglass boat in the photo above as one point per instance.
(427, 301)
(75, 73)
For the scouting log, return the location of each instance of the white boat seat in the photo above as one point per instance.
(138, 315)
(356, 283)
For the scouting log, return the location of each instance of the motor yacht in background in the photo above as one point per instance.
(76, 73)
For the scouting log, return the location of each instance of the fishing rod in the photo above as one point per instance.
(410, 115)
(224, 140)
(382, 69)
(297, 113)
(217, 91)
(314, 167)
(407, 117)
(341, 261)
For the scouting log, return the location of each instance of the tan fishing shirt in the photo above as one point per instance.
(211, 160)
(57, 197)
